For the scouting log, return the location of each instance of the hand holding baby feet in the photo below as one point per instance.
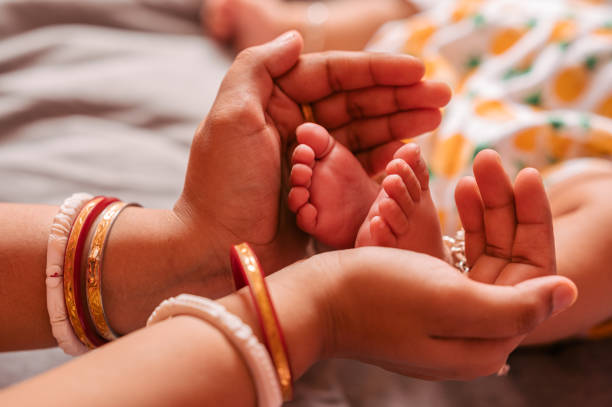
(403, 214)
(330, 190)
(508, 228)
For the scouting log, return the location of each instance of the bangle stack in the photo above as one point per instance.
(271, 371)
(77, 328)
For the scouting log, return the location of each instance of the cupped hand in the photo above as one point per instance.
(418, 316)
(235, 188)
(508, 228)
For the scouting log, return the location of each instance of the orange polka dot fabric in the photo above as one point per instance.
(531, 79)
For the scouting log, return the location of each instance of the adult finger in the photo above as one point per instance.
(376, 159)
(482, 311)
(363, 135)
(534, 236)
(342, 108)
(533, 251)
(248, 84)
(498, 198)
(471, 212)
(319, 75)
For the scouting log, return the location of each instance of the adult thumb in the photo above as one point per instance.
(254, 70)
(560, 292)
(278, 55)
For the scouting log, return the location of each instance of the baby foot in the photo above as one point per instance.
(245, 23)
(217, 18)
(330, 191)
(403, 214)
(508, 228)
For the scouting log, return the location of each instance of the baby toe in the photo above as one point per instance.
(301, 175)
(316, 137)
(393, 215)
(307, 218)
(396, 190)
(303, 154)
(298, 197)
(411, 154)
(381, 234)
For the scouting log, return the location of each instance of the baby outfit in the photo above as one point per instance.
(531, 79)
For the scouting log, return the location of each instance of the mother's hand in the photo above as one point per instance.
(235, 189)
(418, 316)
(404, 311)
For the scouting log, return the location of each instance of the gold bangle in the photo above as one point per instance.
(69, 257)
(267, 316)
(307, 113)
(93, 279)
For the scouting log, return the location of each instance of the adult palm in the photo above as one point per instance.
(236, 186)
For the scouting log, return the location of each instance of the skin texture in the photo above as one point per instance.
(404, 214)
(332, 195)
(369, 303)
(509, 227)
(509, 231)
(503, 221)
(582, 218)
(372, 304)
(253, 124)
(509, 235)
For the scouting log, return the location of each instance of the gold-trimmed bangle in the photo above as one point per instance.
(307, 112)
(71, 291)
(93, 280)
(244, 258)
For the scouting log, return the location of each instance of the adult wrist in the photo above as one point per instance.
(203, 242)
(152, 255)
(298, 293)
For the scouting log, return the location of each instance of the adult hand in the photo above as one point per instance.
(418, 316)
(236, 188)
(508, 228)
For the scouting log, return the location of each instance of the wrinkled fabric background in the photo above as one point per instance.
(104, 96)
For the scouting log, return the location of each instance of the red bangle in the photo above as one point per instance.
(245, 263)
(73, 285)
(237, 272)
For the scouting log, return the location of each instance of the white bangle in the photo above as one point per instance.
(56, 246)
(237, 332)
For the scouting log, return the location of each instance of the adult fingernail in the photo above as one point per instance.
(563, 297)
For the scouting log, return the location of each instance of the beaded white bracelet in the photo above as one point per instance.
(237, 332)
(456, 249)
(56, 246)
